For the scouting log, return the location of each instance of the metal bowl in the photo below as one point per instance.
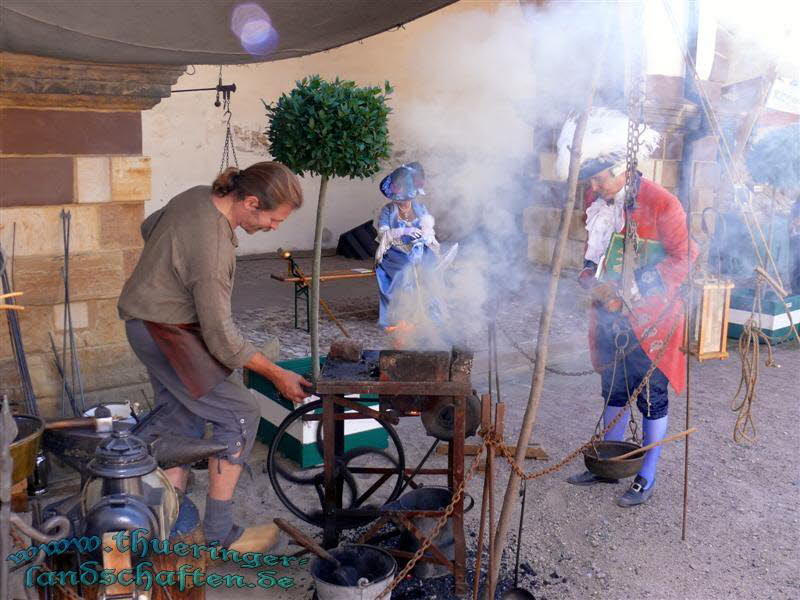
(25, 446)
(596, 459)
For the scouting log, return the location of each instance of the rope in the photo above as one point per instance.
(744, 430)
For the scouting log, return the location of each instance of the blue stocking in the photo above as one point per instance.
(616, 433)
(654, 431)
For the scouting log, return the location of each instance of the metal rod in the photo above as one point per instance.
(219, 88)
(64, 323)
(481, 527)
(419, 466)
(519, 531)
(457, 467)
(64, 385)
(689, 307)
(494, 558)
(537, 383)
(17, 345)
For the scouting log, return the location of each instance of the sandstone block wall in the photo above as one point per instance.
(76, 146)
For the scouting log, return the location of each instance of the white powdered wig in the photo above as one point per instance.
(606, 139)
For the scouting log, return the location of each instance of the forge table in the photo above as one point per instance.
(333, 391)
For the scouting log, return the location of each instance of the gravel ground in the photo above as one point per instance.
(742, 535)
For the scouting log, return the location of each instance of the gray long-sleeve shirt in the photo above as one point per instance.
(185, 274)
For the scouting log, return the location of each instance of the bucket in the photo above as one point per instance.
(377, 566)
(429, 498)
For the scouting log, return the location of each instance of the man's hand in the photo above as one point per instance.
(291, 385)
(607, 294)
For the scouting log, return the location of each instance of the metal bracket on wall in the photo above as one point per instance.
(220, 88)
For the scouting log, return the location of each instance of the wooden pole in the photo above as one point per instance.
(671, 438)
(537, 382)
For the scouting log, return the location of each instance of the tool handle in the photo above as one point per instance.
(671, 438)
(71, 423)
(305, 541)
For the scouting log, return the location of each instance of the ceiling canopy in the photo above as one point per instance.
(179, 32)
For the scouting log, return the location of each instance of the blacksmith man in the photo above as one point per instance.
(177, 311)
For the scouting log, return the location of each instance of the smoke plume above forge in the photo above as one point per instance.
(486, 78)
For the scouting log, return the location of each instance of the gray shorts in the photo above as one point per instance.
(229, 406)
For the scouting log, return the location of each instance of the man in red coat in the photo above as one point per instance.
(627, 338)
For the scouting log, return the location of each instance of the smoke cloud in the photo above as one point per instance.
(499, 74)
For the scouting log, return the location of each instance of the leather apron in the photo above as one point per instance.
(187, 353)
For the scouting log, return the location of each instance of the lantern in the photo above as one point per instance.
(708, 318)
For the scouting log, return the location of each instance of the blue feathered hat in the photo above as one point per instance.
(406, 182)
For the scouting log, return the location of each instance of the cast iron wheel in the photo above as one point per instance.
(360, 490)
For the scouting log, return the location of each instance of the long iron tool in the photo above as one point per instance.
(518, 593)
(16, 340)
(69, 330)
(345, 574)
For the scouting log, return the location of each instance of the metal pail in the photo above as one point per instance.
(375, 565)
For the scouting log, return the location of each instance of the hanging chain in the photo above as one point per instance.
(228, 148)
(636, 127)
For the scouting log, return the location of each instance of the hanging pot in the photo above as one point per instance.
(596, 457)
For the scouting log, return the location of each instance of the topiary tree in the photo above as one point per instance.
(330, 129)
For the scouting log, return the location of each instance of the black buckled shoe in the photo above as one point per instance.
(636, 494)
(589, 478)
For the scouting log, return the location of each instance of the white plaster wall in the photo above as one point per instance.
(184, 133)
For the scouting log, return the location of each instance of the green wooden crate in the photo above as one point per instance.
(300, 445)
(772, 320)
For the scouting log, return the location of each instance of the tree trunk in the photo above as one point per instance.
(315, 271)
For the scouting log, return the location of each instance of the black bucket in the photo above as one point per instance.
(429, 498)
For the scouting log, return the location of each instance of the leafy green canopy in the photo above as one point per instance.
(333, 129)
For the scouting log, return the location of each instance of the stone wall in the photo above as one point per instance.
(72, 141)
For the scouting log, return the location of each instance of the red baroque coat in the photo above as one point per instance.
(659, 216)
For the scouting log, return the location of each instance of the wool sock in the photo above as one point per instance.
(654, 431)
(616, 433)
(218, 520)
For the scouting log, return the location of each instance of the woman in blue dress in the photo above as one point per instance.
(405, 236)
